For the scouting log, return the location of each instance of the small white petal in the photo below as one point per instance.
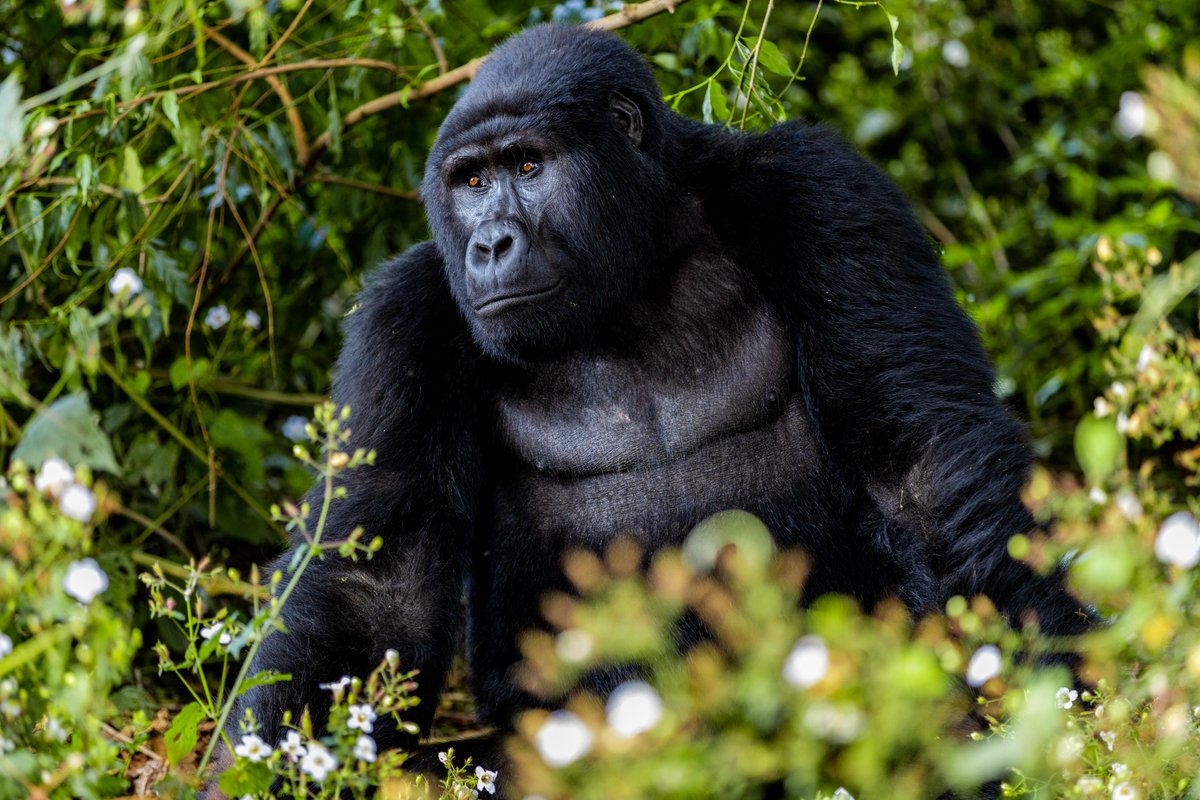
(125, 281)
(563, 739)
(633, 707)
(85, 580)
(1129, 505)
(216, 317)
(985, 664)
(6, 645)
(78, 502)
(1178, 541)
(807, 663)
(293, 428)
(1131, 117)
(54, 476)
(1145, 356)
(252, 320)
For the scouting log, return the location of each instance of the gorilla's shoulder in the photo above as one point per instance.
(405, 303)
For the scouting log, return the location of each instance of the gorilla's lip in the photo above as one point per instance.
(502, 301)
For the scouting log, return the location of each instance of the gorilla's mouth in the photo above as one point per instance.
(506, 299)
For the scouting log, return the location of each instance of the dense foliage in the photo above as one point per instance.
(190, 194)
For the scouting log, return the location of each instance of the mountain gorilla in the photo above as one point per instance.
(626, 321)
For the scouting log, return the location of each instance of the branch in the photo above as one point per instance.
(285, 97)
(625, 17)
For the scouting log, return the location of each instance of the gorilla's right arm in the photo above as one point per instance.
(407, 373)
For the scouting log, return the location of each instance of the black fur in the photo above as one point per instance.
(744, 320)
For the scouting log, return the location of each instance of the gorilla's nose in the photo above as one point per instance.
(495, 252)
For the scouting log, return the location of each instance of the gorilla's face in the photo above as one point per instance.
(547, 191)
(546, 232)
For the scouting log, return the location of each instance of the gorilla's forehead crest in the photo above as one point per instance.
(568, 70)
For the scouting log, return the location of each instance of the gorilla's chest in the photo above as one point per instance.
(702, 418)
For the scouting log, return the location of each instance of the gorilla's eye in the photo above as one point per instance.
(528, 167)
(474, 181)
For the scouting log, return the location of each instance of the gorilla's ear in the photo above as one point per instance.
(628, 117)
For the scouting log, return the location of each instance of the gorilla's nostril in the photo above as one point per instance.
(503, 246)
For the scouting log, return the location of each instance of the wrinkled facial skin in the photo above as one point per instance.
(502, 195)
(545, 230)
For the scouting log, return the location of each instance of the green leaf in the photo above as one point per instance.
(245, 777)
(771, 59)
(184, 733)
(70, 430)
(170, 107)
(716, 108)
(12, 119)
(897, 48)
(1098, 447)
(179, 371)
(264, 678)
(131, 175)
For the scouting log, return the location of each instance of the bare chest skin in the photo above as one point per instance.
(698, 411)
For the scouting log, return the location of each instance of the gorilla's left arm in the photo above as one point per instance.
(896, 374)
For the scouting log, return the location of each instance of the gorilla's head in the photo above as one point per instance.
(546, 189)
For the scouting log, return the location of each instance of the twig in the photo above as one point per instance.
(285, 97)
(438, 52)
(378, 188)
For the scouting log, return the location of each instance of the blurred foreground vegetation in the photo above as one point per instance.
(190, 194)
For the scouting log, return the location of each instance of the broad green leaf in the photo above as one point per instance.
(70, 430)
(170, 107)
(184, 733)
(771, 59)
(264, 678)
(131, 174)
(716, 107)
(179, 371)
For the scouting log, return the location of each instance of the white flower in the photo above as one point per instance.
(1119, 390)
(392, 658)
(84, 580)
(1145, 356)
(6, 745)
(337, 687)
(442, 757)
(1131, 116)
(318, 762)
(125, 282)
(212, 630)
(956, 54)
(485, 780)
(1098, 496)
(1065, 697)
(252, 320)
(1109, 738)
(1119, 770)
(252, 747)
(45, 127)
(293, 428)
(1178, 541)
(633, 707)
(1123, 426)
(364, 749)
(1102, 407)
(1089, 785)
(984, 665)
(78, 502)
(54, 476)
(216, 317)
(562, 739)
(6, 645)
(1124, 791)
(807, 663)
(1129, 505)
(54, 730)
(1068, 749)
(362, 717)
(10, 709)
(842, 794)
(291, 746)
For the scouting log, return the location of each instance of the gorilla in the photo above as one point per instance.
(627, 321)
